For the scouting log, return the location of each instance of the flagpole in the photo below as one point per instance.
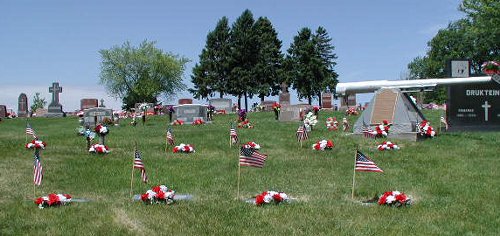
(354, 174)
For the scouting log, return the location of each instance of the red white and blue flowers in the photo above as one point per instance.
(99, 149)
(268, 197)
(252, 145)
(426, 129)
(53, 200)
(185, 148)
(159, 194)
(387, 145)
(101, 130)
(323, 144)
(36, 144)
(394, 199)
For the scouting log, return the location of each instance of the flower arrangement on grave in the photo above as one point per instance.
(323, 145)
(252, 145)
(242, 115)
(101, 130)
(159, 194)
(36, 144)
(53, 200)
(310, 120)
(80, 114)
(198, 122)
(268, 197)
(381, 130)
(245, 124)
(491, 67)
(394, 199)
(387, 145)
(178, 122)
(351, 111)
(345, 124)
(332, 123)
(277, 110)
(185, 148)
(426, 129)
(99, 149)
(316, 110)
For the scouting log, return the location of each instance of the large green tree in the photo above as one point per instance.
(141, 74)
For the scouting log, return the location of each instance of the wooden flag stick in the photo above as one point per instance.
(239, 175)
(34, 193)
(132, 175)
(354, 174)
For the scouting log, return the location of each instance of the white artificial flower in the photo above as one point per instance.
(390, 199)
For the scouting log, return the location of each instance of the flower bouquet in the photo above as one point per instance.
(242, 115)
(271, 197)
(387, 145)
(36, 144)
(381, 130)
(178, 122)
(185, 148)
(252, 145)
(99, 149)
(351, 111)
(245, 124)
(332, 123)
(426, 129)
(394, 199)
(198, 122)
(316, 110)
(310, 121)
(276, 109)
(53, 200)
(323, 144)
(159, 194)
(491, 67)
(101, 130)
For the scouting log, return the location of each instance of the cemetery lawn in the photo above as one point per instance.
(453, 180)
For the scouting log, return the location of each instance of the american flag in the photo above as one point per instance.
(30, 130)
(37, 171)
(170, 137)
(233, 135)
(250, 157)
(302, 134)
(139, 165)
(364, 163)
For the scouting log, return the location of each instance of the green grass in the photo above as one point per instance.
(453, 180)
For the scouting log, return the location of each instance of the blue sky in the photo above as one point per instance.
(46, 41)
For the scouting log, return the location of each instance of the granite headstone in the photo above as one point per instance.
(96, 115)
(22, 109)
(221, 104)
(87, 103)
(190, 112)
(292, 112)
(3, 111)
(55, 108)
(326, 101)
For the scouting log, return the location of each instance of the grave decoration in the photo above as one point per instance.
(242, 115)
(345, 124)
(89, 136)
(102, 131)
(245, 124)
(252, 145)
(185, 148)
(170, 112)
(387, 145)
(491, 67)
(351, 111)
(210, 112)
(381, 130)
(316, 110)
(198, 122)
(178, 122)
(99, 149)
(53, 200)
(268, 197)
(323, 145)
(310, 120)
(426, 129)
(277, 109)
(332, 123)
(144, 107)
(36, 144)
(394, 199)
(159, 194)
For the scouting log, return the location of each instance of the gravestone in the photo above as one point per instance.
(292, 112)
(41, 112)
(268, 105)
(55, 108)
(326, 101)
(349, 100)
(96, 115)
(22, 109)
(102, 103)
(190, 112)
(221, 104)
(474, 107)
(3, 111)
(284, 97)
(183, 101)
(87, 103)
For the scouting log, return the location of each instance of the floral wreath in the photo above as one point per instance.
(99, 149)
(186, 148)
(387, 145)
(53, 200)
(101, 130)
(271, 197)
(491, 67)
(323, 144)
(198, 122)
(394, 199)
(36, 144)
(310, 120)
(159, 194)
(178, 122)
(245, 124)
(332, 123)
(426, 129)
(252, 145)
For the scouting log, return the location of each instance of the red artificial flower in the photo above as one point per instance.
(186, 148)
(277, 198)
(156, 189)
(382, 199)
(39, 201)
(317, 146)
(259, 200)
(144, 197)
(176, 149)
(329, 144)
(67, 196)
(381, 148)
(160, 195)
(401, 198)
(53, 199)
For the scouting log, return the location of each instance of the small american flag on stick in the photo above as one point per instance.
(302, 134)
(252, 158)
(170, 137)
(233, 134)
(138, 164)
(364, 163)
(30, 130)
(37, 171)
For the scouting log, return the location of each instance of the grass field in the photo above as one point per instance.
(453, 180)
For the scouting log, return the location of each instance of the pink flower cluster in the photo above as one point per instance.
(186, 148)
(53, 200)
(99, 149)
(394, 198)
(271, 196)
(387, 145)
(159, 194)
(426, 129)
(323, 144)
(36, 144)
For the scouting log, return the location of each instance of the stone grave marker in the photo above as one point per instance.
(41, 112)
(55, 108)
(221, 104)
(326, 101)
(183, 101)
(292, 112)
(96, 115)
(87, 103)
(22, 109)
(348, 101)
(268, 105)
(3, 111)
(284, 97)
(190, 112)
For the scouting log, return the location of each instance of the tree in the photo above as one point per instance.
(327, 77)
(38, 102)
(141, 74)
(268, 67)
(211, 73)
